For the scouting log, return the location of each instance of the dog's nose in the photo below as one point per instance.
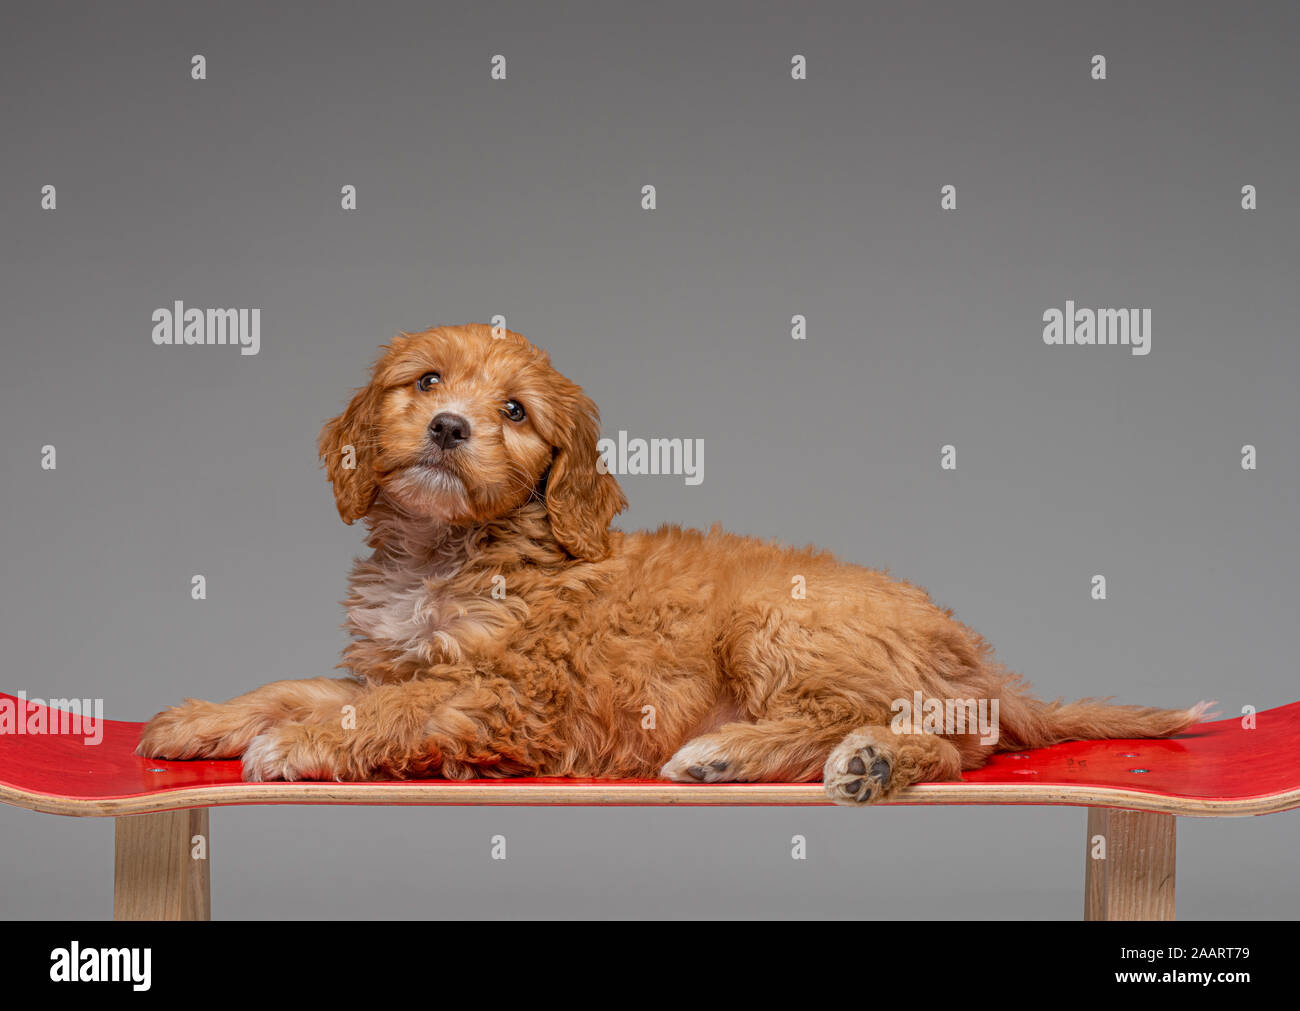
(449, 430)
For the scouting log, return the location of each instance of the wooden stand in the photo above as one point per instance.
(1135, 880)
(156, 876)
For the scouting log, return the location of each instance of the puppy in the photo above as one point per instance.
(502, 628)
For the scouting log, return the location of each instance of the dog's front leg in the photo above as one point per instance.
(456, 723)
(200, 729)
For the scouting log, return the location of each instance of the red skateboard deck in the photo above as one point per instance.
(1214, 769)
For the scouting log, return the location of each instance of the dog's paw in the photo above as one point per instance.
(859, 770)
(288, 753)
(699, 761)
(194, 729)
(266, 759)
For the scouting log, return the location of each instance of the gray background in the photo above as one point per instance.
(775, 197)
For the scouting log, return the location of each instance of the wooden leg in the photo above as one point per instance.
(161, 868)
(1135, 879)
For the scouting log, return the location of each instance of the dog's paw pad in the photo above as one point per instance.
(705, 773)
(697, 762)
(857, 774)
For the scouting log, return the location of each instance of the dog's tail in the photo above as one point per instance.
(1027, 722)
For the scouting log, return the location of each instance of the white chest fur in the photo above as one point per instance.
(421, 610)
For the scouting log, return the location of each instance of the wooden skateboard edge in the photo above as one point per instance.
(616, 794)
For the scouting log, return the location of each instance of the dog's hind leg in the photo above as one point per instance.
(861, 766)
(791, 749)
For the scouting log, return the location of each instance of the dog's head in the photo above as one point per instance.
(466, 424)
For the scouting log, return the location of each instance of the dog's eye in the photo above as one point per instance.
(514, 410)
(428, 380)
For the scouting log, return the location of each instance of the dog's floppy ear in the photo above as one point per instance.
(580, 499)
(347, 449)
